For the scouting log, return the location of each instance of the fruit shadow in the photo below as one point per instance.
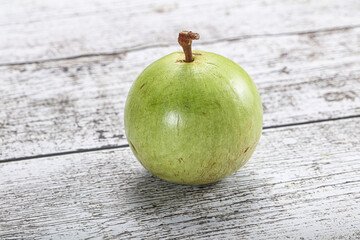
(165, 205)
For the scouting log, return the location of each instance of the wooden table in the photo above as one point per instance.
(66, 171)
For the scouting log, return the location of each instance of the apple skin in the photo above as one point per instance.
(193, 123)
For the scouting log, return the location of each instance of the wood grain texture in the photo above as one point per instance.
(303, 182)
(46, 29)
(75, 104)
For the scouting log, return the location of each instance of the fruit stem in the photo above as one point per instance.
(185, 40)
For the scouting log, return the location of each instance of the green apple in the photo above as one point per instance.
(193, 121)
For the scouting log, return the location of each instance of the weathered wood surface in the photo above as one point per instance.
(303, 182)
(65, 70)
(75, 104)
(46, 29)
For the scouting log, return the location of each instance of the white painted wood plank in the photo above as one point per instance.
(303, 182)
(76, 104)
(36, 30)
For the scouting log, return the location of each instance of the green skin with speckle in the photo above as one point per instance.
(193, 123)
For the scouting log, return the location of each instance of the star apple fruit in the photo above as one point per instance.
(193, 121)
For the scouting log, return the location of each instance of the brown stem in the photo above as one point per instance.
(185, 40)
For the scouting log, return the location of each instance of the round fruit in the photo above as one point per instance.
(193, 121)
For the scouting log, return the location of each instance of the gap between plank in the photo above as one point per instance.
(139, 48)
(127, 145)
(311, 122)
(65, 153)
